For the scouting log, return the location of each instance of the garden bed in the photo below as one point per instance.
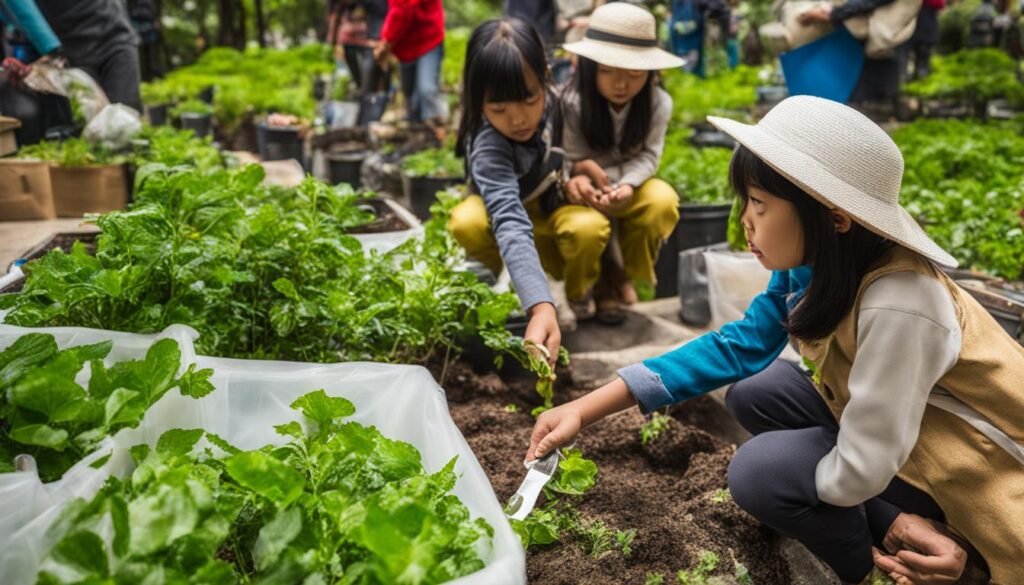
(670, 491)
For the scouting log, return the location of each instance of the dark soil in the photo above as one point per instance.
(664, 489)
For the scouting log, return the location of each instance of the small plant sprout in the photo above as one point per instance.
(624, 538)
(655, 579)
(742, 573)
(720, 496)
(596, 538)
(511, 408)
(707, 562)
(653, 428)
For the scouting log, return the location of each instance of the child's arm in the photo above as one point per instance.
(560, 425)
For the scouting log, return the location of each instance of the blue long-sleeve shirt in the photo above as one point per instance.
(738, 350)
(26, 17)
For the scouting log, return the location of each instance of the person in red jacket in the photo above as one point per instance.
(414, 33)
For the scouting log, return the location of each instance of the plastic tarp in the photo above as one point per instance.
(250, 397)
(30, 506)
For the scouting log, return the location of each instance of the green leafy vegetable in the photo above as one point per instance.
(433, 162)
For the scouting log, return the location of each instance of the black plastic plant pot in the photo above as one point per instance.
(699, 226)
(707, 136)
(481, 357)
(206, 95)
(157, 114)
(279, 142)
(200, 124)
(771, 94)
(421, 192)
(371, 107)
(344, 167)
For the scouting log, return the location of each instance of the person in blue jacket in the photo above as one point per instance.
(686, 29)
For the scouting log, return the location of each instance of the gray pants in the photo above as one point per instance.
(117, 72)
(772, 474)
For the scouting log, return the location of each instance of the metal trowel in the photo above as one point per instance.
(540, 473)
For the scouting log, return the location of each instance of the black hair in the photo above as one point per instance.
(598, 128)
(839, 260)
(497, 57)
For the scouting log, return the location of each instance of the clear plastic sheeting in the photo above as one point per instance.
(250, 398)
(30, 506)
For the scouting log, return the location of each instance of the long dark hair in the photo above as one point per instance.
(497, 55)
(598, 129)
(840, 261)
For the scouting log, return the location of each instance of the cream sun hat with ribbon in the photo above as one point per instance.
(842, 159)
(625, 36)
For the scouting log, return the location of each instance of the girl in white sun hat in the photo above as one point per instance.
(615, 118)
(903, 448)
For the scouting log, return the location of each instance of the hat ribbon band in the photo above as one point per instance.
(600, 35)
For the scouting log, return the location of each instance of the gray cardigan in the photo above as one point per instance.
(627, 168)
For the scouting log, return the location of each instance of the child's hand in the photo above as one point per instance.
(554, 428)
(591, 169)
(924, 555)
(543, 329)
(579, 190)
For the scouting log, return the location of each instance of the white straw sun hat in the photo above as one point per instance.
(625, 36)
(842, 159)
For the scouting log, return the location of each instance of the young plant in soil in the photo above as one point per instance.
(46, 414)
(436, 163)
(653, 428)
(559, 518)
(338, 503)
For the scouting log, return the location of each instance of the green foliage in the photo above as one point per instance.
(73, 152)
(720, 496)
(699, 175)
(191, 106)
(742, 573)
(576, 475)
(972, 75)
(624, 541)
(470, 13)
(653, 428)
(250, 83)
(455, 41)
(963, 183)
(732, 93)
(174, 148)
(340, 504)
(707, 563)
(433, 162)
(262, 272)
(736, 236)
(50, 416)
(655, 579)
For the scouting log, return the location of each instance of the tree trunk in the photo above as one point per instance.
(261, 26)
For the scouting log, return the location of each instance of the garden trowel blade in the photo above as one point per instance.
(540, 473)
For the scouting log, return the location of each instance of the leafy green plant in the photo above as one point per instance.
(193, 106)
(699, 175)
(510, 408)
(455, 42)
(720, 496)
(707, 563)
(624, 541)
(962, 183)
(337, 503)
(73, 152)
(736, 236)
(732, 93)
(971, 75)
(48, 415)
(655, 579)
(576, 475)
(433, 162)
(263, 272)
(173, 148)
(653, 428)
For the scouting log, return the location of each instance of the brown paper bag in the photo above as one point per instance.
(81, 190)
(25, 190)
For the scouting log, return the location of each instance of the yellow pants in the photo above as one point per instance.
(571, 240)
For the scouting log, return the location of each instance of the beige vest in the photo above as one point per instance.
(978, 484)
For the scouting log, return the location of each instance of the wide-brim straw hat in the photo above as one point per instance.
(842, 159)
(625, 36)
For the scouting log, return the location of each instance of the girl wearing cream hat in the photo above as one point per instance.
(902, 448)
(615, 118)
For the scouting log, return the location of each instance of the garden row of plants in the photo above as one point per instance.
(972, 77)
(246, 84)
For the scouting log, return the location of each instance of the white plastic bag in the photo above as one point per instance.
(29, 506)
(403, 402)
(71, 83)
(114, 127)
(734, 279)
